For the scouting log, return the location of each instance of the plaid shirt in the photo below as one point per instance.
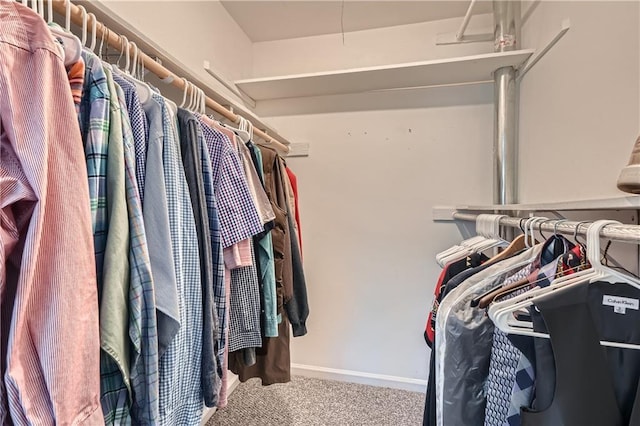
(239, 217)
(180, 391)
(114, 306)
(114, 361)
(139, 128)
(76, 82)
(219, 290)
(94, 125)
(142, 310)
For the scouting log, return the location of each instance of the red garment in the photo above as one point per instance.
(429, 330)
(294, 184)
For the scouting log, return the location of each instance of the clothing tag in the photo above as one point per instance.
(620, 304)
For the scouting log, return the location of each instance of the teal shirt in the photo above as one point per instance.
(267, 268)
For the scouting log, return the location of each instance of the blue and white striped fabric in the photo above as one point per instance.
(181, 400)
(139, 128)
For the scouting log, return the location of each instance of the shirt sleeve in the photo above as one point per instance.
(239, 218)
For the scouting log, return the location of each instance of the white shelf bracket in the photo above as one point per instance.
(465, 21)
(566, 24)
(459, 37)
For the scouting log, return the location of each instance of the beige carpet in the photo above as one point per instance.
(311, 402)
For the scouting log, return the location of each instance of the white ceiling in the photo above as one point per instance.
(264, 20)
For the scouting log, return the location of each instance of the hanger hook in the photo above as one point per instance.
(67, 15)
(49, 11)
(102, 36)
(184, 93)
(127, 57)
(204, 102)
(134, 62)
(577, 230)
(593, 241)
(555, 225)
(528, 235)
(532, 225)
(83, 40)
(541, 225)
(192, 93)
(94, 31)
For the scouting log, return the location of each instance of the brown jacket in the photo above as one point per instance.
(273, 360)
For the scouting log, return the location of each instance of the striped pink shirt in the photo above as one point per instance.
(48, 296)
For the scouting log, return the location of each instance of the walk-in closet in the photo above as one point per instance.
(320, 212)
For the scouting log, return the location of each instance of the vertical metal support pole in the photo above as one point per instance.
(505, 143)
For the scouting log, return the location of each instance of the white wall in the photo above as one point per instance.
(367, 191)
(379, 163)
(392, 45)
(579, 109)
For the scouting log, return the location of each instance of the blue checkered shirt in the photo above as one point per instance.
(239, 217)
(219, 289)
(181, 401)
(139, 128)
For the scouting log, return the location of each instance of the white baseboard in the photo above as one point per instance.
(395, 382)
(232, 384)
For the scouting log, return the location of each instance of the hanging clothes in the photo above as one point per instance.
(608, 393)
(180, 365)
(263, 245)
(48, 292)
(481, 374)
(156, 217)
(173, 261)
(142, 326)
(191, 142)
(273, 358)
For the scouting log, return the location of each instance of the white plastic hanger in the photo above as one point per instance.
(184, 93)
(142, 89)
(94, 31)
(83, 39)
(71, 45)
(192, 96)
(503, 316)
(464, 248)
(49, 12)
(489, 228)
(465, 245)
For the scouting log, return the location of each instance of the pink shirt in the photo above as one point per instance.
(48, 295)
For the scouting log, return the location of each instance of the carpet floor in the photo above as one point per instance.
(314, 402)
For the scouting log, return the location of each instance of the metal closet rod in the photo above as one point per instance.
(622, 233)
(116, 41)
